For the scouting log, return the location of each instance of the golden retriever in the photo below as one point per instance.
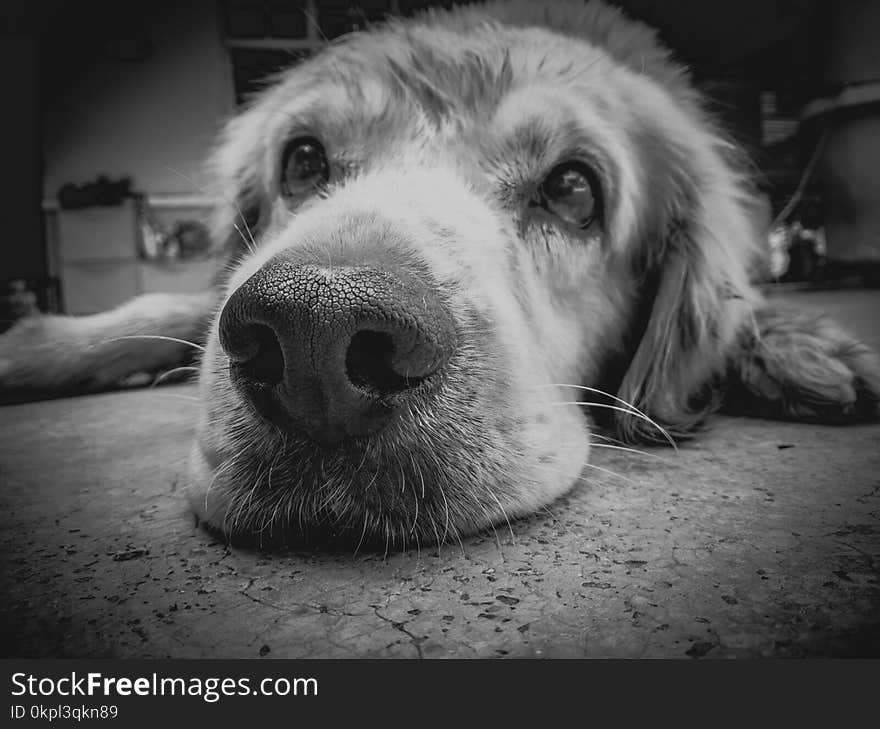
(452, 240)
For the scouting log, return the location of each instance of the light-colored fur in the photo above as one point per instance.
(439, 130)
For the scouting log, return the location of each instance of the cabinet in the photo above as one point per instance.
(97, 254)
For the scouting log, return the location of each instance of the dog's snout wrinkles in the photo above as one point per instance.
(334, 351)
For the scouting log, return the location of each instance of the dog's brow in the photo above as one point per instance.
(539, 141)
(440, 81)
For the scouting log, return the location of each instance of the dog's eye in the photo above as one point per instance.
(303, 166)
(571, 193)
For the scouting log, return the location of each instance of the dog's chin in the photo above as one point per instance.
(421, 481)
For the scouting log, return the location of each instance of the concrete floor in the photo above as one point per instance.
(757, 539)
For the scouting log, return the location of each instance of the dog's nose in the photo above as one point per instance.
(334, 352)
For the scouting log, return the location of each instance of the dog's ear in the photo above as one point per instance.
(707, 338)
(237, 171)
(696, 297)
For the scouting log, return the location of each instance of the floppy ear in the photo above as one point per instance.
(701, 304)
(237, 170)
(708, 339)
(696, 296)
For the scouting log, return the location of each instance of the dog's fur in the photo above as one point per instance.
(439, 131)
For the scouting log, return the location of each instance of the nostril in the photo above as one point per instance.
(263, 365)
(368, 364)
(334, 354)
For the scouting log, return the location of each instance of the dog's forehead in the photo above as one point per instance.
(451, 74)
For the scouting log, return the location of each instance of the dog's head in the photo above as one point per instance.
(448, 230)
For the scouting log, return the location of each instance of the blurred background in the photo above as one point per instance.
(112, 108)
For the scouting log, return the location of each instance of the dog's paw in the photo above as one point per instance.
(805, 367)
(31, 357)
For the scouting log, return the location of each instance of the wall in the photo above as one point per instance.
(849, 170)
(22, 253)
(134, 89)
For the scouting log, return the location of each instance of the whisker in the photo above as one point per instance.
(315, 24)
(634, 413)
(229, 463)
(244, 504)
(494, 532)
(597, 468)
(436, 535)
(607, 438)
(506, 518)
(229, 200)
(556, 519)
(249, 244)
(632, 450)
(632, 408)
(178, 397)
(363, 533)
(611, 473)
(446, 509)
(419, 472)
(154, 336)
(617, 445)
(415, 521)
(273, 517)
(418, 546)
(159, 378)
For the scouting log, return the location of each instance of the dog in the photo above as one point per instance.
(455, 242)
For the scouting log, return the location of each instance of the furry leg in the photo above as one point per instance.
(56, 354)
(804, 367)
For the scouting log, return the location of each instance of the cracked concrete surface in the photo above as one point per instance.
(757, 539)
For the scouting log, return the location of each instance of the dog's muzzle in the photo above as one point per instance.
(334, 352)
